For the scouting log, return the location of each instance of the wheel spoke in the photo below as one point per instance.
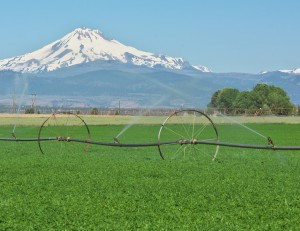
(193, 126)
(174, 132)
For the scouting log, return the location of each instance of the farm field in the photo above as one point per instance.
(113, 188)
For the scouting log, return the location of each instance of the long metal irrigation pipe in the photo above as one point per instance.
(123, 144)
(28, 139)
(181, 142)
(236, 145)
(185, 142)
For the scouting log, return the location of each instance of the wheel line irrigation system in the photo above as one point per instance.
(186, 127)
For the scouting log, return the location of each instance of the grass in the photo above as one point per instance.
(113, 188)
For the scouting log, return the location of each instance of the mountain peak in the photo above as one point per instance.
(83, 28)
(84, 31)
(87, 45)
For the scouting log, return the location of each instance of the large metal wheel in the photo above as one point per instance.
(186, 127)
(59, 129)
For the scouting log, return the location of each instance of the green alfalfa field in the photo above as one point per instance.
(113, 188)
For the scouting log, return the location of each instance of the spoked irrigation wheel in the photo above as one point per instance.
(185, 127)
(56, 134)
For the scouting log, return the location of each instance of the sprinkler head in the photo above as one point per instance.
(116, 140)
(270, 141)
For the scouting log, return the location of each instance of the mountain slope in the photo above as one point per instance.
(84, 45)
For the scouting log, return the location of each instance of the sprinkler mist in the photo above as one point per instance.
(21, 85)
(244, 126)
(140, 116)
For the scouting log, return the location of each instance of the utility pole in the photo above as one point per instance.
(33, 99)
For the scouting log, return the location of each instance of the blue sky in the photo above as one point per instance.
(224, 35)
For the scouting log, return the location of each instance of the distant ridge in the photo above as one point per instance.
(294, 71)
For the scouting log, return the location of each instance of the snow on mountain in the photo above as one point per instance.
(263, 72)
(85, 45)
(294, 71)
(201, 68)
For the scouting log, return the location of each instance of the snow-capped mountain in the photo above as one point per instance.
(294, 71)
(84, 45)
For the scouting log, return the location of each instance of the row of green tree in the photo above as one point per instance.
(262, 97)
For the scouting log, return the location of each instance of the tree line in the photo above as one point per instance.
(263, 97)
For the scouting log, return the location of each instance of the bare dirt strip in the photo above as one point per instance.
(38, 119)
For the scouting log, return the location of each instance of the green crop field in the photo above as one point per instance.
(117, 188)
